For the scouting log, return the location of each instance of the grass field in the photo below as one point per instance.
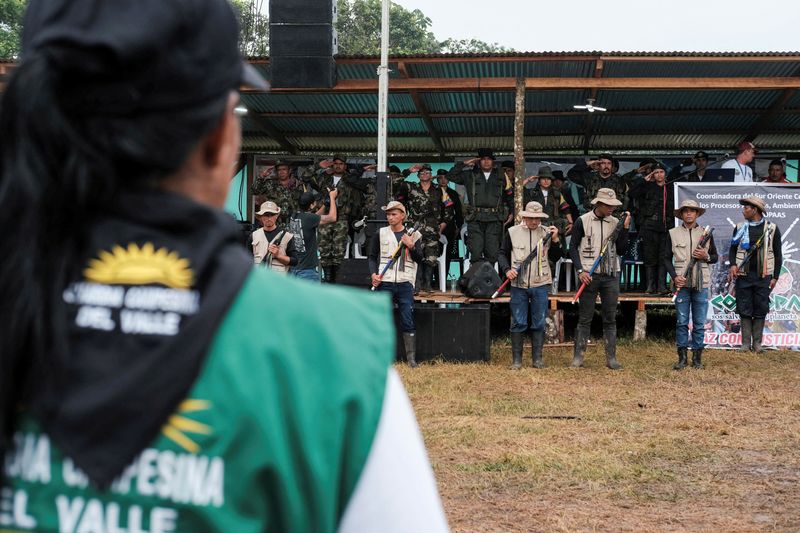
(645, 448)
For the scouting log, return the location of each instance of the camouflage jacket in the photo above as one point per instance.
(593, 182)
(423, 206)
(286, 196)
(351, 187)
(555, 206)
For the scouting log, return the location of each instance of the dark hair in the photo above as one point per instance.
(60, 165)
(778, 162)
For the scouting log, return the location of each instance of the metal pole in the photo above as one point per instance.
(383, 87)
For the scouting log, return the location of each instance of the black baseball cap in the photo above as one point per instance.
(142, 55)
(701, 155)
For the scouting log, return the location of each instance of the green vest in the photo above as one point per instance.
(273, 435)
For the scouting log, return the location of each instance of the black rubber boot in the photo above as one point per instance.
(427, 272)
(682, 358)
(697, 358)
(746, 325)
(651, 280)
(537, 343)
(516, 350)
(661, 285)
(581, 337)
(610, 336)
(758, 332)
(327, 274)
(410, 343)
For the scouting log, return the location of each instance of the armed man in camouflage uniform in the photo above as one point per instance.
(281, 188)
(491, 203)
(425, 208)
(553, 203)
(331, 174)
(599, 174)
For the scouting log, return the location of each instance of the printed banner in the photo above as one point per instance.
(723, 212)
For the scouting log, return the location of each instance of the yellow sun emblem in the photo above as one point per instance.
(178, 426)
(140, 266)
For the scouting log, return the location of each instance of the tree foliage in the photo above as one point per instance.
(11, 12)
(359, 29)
(471, 46)
(358, 26)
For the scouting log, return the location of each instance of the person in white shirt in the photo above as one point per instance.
(745, 153)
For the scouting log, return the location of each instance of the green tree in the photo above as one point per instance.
(253, 26)
(471, 46)
(359, 29)
(11, 12)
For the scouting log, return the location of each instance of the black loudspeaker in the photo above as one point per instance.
(459, 333)
(302, 11)
(480, 281)
(355, 273)
(301, 40)
(302, 43)
(302, 72)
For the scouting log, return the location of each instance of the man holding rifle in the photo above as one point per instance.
(393, 259)
(756, 262)
(530, 278)
(597, 241)
(692, 249)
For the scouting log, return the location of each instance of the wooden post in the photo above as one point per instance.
(554, 326)
(519, 147)
(640, 325)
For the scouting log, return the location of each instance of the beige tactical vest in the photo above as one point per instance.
(523, 240)
(404, 269)
(766, 247)
(595, 234)
(684, 242)
(261, 247)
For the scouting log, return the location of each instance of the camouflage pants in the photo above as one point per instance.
(430, 245)
(332, 243)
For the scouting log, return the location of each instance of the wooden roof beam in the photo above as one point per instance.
(533, 114)
(510, 133)
(509, 84)
(267, 125)
(769, 115)
(423, 110)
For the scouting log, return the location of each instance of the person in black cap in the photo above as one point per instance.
(597, 174)
(700, 161)
(489, 204)
(571, 193)
(549, 197)
(453, 217)
(655, 201)
(135, 344)
(303, 225)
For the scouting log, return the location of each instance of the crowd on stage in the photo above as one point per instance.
(312, 218)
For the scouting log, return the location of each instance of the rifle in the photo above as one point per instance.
(396, 254)
(267, 261)
(707, 233)
(749, 253)
(525, 262)
(603, 251)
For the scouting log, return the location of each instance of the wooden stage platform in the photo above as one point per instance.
(555, 322)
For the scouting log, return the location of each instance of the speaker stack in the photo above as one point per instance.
(302, 43)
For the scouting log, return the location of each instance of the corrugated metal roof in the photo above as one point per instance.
(687, 100)
(489, 69)
(700, 69)
(672, 123)
(465, 117)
